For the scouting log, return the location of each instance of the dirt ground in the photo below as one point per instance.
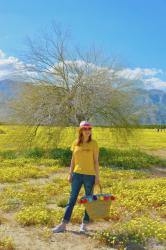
(31, 238)
(158, 152)
(34, 238)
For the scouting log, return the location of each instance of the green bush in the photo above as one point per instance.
(62, 155)
(34, 153)
(128, 159)
(8, 154)
(116, 158)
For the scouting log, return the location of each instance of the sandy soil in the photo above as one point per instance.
(158, 152)
(31, 238)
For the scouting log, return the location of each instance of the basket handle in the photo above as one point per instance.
(99, 187)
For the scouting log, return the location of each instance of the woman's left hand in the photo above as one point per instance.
(97, 181)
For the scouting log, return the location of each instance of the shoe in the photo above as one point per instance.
(83, 228)
(59, 228)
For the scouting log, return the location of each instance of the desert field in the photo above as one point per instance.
(34, 191)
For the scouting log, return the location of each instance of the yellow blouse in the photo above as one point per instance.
(84, 157)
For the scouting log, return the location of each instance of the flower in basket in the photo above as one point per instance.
(90, 199)
(112, 197)
(106, 198)
(94, 197)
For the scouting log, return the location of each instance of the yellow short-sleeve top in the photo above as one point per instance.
(84, 157)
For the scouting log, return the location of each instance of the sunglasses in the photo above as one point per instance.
(86, 128)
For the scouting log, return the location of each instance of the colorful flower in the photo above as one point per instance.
(106, 198)
(94, 197)
(90, 198)
(112, 197)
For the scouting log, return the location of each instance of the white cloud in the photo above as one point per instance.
(155, 82)
(2, 54)
(151, 78)
(9, 66)
(138, 73)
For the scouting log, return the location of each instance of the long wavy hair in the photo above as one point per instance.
(80, 137)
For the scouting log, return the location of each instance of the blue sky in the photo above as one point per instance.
(133, 30)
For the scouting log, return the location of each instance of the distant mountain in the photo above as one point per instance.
(157, 96)
(151, 98)
(154, 99)
(8, 89)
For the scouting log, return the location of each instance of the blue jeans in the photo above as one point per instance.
(76, 184)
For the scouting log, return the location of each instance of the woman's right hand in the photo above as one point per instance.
(70, 178)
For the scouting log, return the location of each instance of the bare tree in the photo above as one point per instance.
(64, 86)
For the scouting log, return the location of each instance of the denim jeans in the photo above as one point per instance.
(76, 184)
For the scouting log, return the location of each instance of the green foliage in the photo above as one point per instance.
(8, 154)
(38, 215)
(7, 243)
(2, 131)
(118, 158)
(61, 201)
(128, 159)
(14, 174)
(62, 155)
(137, 230)
(33, 153)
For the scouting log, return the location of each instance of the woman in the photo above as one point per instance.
(84, 169)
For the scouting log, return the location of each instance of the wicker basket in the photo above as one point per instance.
(97, 205)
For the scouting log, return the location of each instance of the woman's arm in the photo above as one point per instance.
(71, 165)
(71, 169)
(96, 164)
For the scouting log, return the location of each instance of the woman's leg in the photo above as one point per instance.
(88, 181)
(76, 184)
